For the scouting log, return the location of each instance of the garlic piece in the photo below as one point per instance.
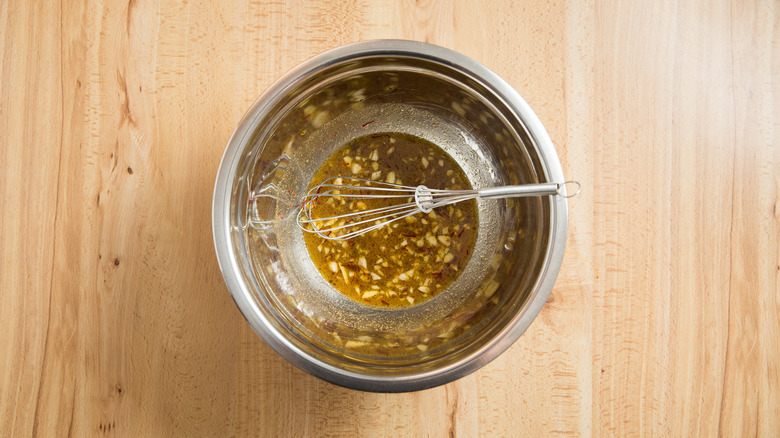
(355, 344)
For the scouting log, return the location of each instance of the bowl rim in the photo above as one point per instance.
(242, 296)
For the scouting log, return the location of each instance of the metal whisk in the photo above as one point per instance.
(421, 199)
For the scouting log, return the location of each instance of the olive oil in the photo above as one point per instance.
(410, 260)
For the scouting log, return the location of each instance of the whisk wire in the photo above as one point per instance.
(425, 200)
(372, 212)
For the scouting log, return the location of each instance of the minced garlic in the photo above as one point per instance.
(411, 260)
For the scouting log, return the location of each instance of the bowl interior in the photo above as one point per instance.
(300, 127)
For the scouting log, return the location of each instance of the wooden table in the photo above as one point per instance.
(114, 319)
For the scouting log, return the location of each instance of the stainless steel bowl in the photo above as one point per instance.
(363, 89)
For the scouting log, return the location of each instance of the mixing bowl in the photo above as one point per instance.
(365, 89)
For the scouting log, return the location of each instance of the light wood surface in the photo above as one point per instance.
(114, 319)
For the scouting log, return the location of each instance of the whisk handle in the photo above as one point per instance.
(520, 190)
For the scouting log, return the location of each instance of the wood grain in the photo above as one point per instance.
(664, 321)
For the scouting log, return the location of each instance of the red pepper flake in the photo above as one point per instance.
(368, 123)
(385, 303)
(461, 232)
(336, 133)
